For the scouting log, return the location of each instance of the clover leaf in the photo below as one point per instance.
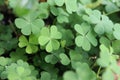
(62, 15)
(18, 54)
(115, 46)
(31, 45)
(104, 26)
(105, 56)
(109, 73)
(45, 76)
(64, 59)
(102, 23)
(49, 38)
(29, 24)
(4, 61)
(85, 37)
(116, 31)
(21, 70)
(51, 59)
(68, 4)
(43, 10)
(95, 16)
(82, 72)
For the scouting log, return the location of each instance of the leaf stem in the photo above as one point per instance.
(98, 72)
(13, 28)
(113, 12)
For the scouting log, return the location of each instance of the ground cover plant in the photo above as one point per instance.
(59, 39)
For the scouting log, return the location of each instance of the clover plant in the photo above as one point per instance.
(59, 40)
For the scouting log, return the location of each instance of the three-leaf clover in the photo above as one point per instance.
(82, 72)
(68, 4)
(21, 71)
(49, 38)
(102, 23)
(29, 24)
(104, 26)
(18, 54)
(85, 37)
(31, 45)
(108, 61)
(62, 15)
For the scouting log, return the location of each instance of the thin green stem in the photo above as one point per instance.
(13, 28)
(113, 12)
(98, 72)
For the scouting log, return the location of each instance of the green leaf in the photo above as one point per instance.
(20, 70)
(105, 41)
(85, 36)
(2, 51)
(82, 42)
(51, 59)
(43, 11)
(70, 8)
(104, 26)
(70, 75)
(45, 76)
(49, 38)
(59, 2)
(107, 73)
(83, 29)
(54, 33)
(116, 46)
(95, 17)
(84, 72)
(18, 54)
(22, 41)
(68, 4)
(105, 57)
(116, 31)
(91, 38)
(64, 59)
(31, 45)
(4, 61)
(29, 24)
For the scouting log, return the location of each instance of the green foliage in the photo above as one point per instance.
(82, 71)
(20, 70)
(59, 39)
(48, 37)
(86, 36)
(31, 44)
(29, 24)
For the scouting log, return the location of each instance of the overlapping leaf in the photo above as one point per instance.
(62, 16)
(49, 38)
(83, 72)
(103, 23)
(31, 45)
(29, 24)
(21, 70)
(85, 37)
(68, 4)
(105, 56)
